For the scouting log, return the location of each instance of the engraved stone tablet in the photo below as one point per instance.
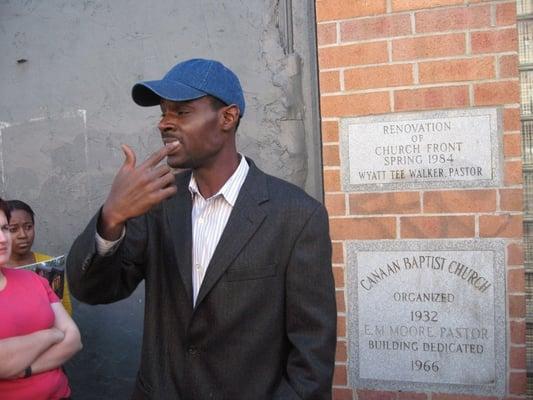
(427, 315)
(459, 148)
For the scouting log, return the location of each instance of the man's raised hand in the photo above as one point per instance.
(135, 190)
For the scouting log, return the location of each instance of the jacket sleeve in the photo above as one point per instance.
(96, 279)
(311, 315)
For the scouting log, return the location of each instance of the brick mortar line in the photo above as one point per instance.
(516, 293)
(515, 158)
(498, 201)
(419, 86)
(422, 60)
(513, 267)
(346, 204)
(421, 214)
(412, 20)
(363, 17)
(398, 228)
(471, 94)
(419, 35)
(459, 189)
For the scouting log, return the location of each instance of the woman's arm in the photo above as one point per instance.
(62, 351)
(18, 352)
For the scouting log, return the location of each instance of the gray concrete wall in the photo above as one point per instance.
(67, 71)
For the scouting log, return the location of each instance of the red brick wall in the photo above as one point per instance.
(386, 56)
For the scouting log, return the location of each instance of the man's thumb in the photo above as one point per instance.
(129, 159)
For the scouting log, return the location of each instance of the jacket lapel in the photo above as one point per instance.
(178, 215)
(244, 220)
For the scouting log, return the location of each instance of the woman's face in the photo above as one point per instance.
(5, 240)
(22, 232)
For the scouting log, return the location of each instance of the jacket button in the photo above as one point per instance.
(192, 350)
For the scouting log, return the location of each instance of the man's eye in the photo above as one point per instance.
(11, 229)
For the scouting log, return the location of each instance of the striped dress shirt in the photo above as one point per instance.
(209, 218)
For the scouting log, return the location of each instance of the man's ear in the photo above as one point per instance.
(230, 117)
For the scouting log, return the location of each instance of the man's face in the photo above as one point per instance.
(195, 125)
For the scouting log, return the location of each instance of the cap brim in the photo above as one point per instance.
(150, 93)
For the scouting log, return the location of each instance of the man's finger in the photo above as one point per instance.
(156, 157)
(164, 181)
(159, 171)
(165, 193)
(130, 158)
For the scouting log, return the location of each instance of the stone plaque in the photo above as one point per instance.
(459, 148)
(427, 315)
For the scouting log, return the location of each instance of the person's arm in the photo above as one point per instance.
(61, 352)
(311, 315)
(18, 352)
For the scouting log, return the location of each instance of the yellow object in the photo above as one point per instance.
(67, 303)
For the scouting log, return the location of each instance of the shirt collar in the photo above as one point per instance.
(230, 190)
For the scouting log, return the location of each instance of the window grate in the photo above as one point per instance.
(527, 142)
(529, 299)
(526, 86)
(524, 7)
(528, 242)
(528, 205)
(525, 41)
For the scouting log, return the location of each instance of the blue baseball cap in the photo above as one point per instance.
(191, 80)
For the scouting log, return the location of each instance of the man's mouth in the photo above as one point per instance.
(174, 142)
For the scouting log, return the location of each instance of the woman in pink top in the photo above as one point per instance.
(36, 333)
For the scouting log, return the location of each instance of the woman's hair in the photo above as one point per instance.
(5, 208)
(20, 205)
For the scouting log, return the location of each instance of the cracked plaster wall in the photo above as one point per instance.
(67, 71)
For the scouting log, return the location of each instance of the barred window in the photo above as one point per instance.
(525, 55)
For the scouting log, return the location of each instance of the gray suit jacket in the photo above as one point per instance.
(264, 324)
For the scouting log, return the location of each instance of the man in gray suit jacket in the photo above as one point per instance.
(240, 299)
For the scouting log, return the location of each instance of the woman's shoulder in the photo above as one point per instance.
(25, 276)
